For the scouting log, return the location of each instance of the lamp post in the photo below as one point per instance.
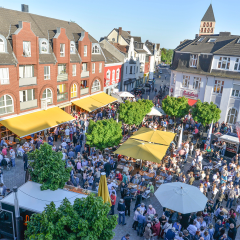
(17, 214)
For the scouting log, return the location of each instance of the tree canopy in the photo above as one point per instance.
(48, 168)
(86, 219)
(205, 113)
(134, 112)
(166, 55)
(175, 107)
(104, 133)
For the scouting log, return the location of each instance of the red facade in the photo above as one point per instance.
(112, 74)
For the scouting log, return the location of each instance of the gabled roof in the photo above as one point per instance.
(109, 58)
(121, 48)
(124, 34)
(209, 15)
(137, 39)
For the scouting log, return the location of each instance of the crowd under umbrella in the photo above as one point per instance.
(181, 197)
(103, 189)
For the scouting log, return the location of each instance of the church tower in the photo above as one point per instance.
(207, 25)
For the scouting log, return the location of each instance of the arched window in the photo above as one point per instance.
(204, 24)
(72, 47)
(47, 94)
(44, 47)
(96, 86)
(210, 24)
(118, 71)
(207, 24)
(95, 49)
(6, 104)
(74, 91)
(201, 29)
(211, 30)
(113, 75)
(232, 116)
(2, 45)
(108, 74)
(208, 30)
(204, 29)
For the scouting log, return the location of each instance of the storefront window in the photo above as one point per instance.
(232, 116)
(186, 80)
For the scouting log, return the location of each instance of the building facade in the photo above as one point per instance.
(208, 68)
(45, 61)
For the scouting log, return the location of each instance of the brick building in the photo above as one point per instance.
(45, 61)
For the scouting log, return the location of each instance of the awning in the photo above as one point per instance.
(64, 105)
(37, 121)
(94, 102)
(191, 102)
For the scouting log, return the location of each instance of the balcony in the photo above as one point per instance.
(84, 91)
(62, 77)
(27, 81)
(62, 97)
(84, 74)
(28, 104)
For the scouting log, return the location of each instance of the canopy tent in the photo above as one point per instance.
(156, 112)
(94, 102)
(103, 189)
(142, 150)
(181, 197)
(27, 124)
(125, 94)
(155, 136)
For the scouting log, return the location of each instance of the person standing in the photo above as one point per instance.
(232, 232)
(127, 201)
(12, 157)
(1, 175)
(25, 160)
(113, 202)
(121, 212)
(141, 221)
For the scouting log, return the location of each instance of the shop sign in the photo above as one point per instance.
(190, 94)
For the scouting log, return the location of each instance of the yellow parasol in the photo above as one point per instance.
(142, 150)
(154, 136)
(103, 189)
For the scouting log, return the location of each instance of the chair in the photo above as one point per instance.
(146, 194)
(19, 153)
(11, 139)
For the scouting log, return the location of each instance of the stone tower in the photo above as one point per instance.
(207, 25)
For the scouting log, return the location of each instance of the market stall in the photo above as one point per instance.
(232, 142)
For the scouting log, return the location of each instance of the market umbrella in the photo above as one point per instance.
(142, 150)
(125, 94)
(180, 138)
(181, 197)
(156, 112)
(103, 189)
(154, 136)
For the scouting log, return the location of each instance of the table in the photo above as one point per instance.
(159, 178)
(10, 143)
(143, 173)
(120, 167)
(137, 187)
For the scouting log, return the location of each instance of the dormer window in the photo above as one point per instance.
(224, 63)
(95, 49)
(238, 41)
(72, 47)
(200, 39)
(2, 45)
(193, 60)
(211, 40)
(27, 49)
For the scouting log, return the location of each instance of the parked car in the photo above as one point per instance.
(147, 84)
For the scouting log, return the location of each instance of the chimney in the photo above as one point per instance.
(120, 31)
(196, 35)
(24, 8)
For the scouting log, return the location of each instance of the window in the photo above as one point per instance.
(84, 67)
(96, 86)
(224, 62)
(93, 68)
(218, 86)
(100, 67)
(238, 41)
(2, 45)
(210, 25)
(211, 40)
(201, 29)
(235, 93)
(237, 65)
(134, 69)
(61, 69)
(27, 95)
(44, 47)
(207, 24)
(4, 75)
(26, 71)
(6, 104)
(204, 24)
(27, 49)
(85, 50)
(200, 39)
(74, 70)
(173, 78)
(74, 91)
(84, 84)
(232, 116)
(193, 60)
(95, 49)
(118, 74)
(72, 47)
(113, 75)
(126, 69)
(47, 94)
(196, 83)
(62, 50)
(186, 80)
(113, 39)
(46, 72)
(130, 69)
(108, 74)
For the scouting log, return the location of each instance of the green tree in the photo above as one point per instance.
(48, 168)
(205, 113)
(175, 107)
(86, 219)
(166, 55)
(134, 112)
(104, 133)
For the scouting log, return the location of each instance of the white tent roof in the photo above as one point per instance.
(229, 138)
(30, 197)
(125, 94)
(156, 112)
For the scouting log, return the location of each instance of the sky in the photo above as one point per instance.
(166, 22)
